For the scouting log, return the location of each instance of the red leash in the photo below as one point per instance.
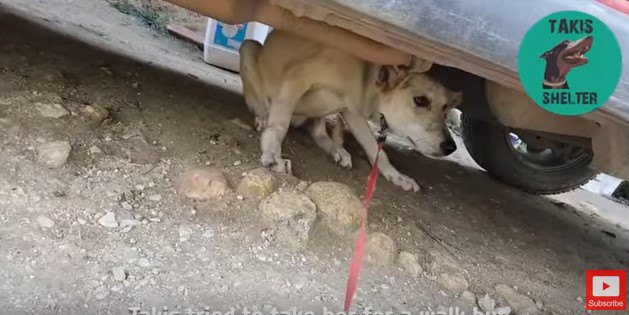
(357, 259)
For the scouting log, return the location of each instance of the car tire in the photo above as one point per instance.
(487, 144)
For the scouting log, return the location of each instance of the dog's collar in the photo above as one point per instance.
(555, 85)
(382, 129)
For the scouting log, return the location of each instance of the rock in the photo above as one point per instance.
(302, 185)
(144, 263)
(409, 263)
(101, 293)
(294, 212)
(94, 150)
(203, 183)
(52, 110)
(129, 223)
(119, 274)
(96, 113)
(521, 304)
(140, 152)
(442, 262)
(106, 70)
(126, 206)
(54, 154)
(454, 283)
(184, 233)
(108, 220)
(155, 198)
(117, 288)
(486, 303)
(259, 183)
(505, 310)
(579, 299)
(339, 206)
(50, 75)
(468, 297)
(380, 249)
(45, 222)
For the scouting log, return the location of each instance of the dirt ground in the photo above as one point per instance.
(471, 235)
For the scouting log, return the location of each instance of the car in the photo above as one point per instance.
(474, 46)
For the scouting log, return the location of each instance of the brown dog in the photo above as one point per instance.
(292, 78)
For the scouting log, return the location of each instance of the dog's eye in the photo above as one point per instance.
(421, 101)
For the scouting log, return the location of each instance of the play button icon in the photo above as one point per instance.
(606, 286)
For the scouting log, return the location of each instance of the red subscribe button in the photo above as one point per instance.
(606, 290)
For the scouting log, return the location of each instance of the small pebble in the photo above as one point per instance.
(155, 198)
(96, 113)
(203, 183)
(143, 262)
(54, 154)
(119, 274)
(108, 220)
(45, 222)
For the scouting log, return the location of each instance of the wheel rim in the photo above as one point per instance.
(546, 159)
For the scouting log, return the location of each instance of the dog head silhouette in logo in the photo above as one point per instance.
(562, 58)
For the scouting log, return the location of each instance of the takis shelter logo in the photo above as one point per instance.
(570, 63)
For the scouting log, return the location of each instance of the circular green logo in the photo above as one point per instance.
(570, 63)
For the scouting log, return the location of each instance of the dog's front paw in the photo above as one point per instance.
(342, 158)
(283, 166)
(403, 181)
(267, 160)
(278, 165)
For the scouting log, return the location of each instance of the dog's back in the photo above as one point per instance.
(288, 59)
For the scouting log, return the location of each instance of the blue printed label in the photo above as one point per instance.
(230, 36)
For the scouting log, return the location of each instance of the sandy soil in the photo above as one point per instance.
(57, 255)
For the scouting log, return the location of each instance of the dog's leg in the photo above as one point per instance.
(280, 114)
(321, 137)
(272, 137)
(252, 83)
(338, 130)
(363, 134)
(297, 121)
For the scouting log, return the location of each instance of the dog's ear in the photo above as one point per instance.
(454, 98)
(419, 65)
(545, 55)
(390, 77)
(385, 76)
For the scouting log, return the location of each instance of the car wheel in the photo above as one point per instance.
(541, 170)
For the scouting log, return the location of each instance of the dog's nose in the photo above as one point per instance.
(448, 146)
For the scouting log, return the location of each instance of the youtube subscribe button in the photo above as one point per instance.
(606, 290)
